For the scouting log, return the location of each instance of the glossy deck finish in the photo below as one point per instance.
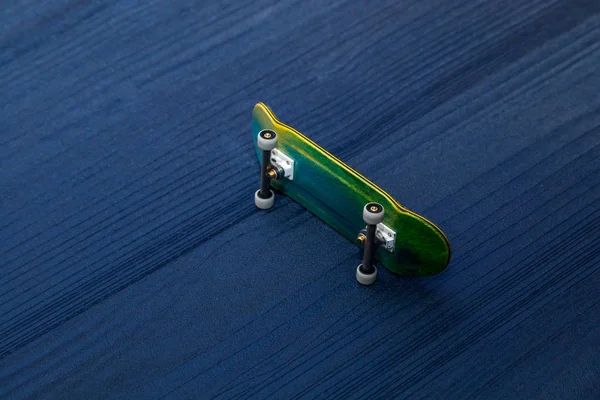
(336, 193)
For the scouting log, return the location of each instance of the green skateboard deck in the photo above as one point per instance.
(336, 194)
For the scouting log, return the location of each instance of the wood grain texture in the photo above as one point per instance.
(132, 258)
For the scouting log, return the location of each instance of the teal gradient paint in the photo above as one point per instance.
(336, 194)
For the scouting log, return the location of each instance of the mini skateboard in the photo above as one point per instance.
(401, 240)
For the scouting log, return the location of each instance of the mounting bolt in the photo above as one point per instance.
(361, 238)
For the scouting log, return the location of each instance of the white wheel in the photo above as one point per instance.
(366, 279)
(267, 139)
(373, 213)
(264, 204)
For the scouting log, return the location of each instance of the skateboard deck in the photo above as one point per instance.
(336, 193)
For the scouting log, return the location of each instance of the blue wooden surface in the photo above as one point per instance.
(132, 258)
